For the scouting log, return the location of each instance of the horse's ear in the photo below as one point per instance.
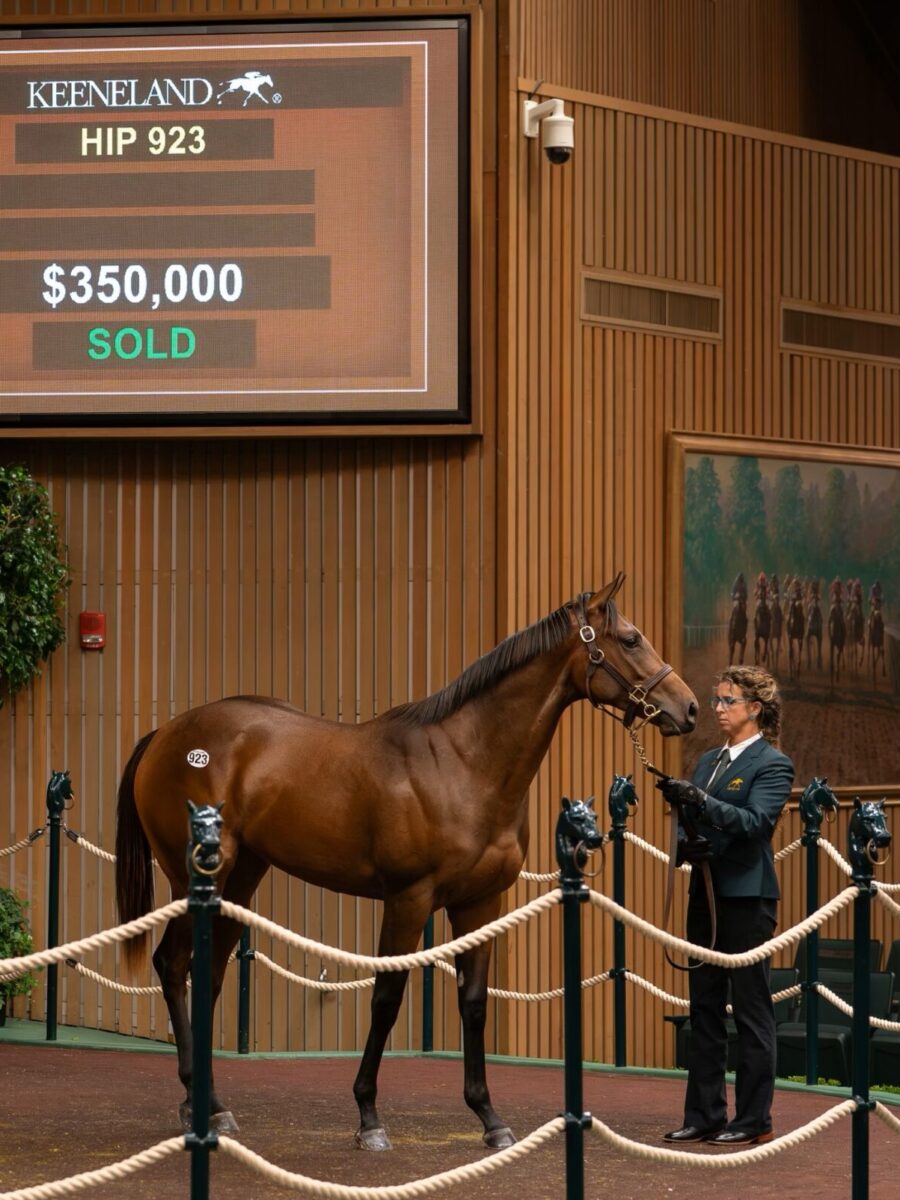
(566, 803)
(192, 807)
(880, 805)
(608, 591)
(857, 803)
(629, 777)
(218, 807)
(589, 803)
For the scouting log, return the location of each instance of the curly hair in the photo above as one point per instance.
(759, 686)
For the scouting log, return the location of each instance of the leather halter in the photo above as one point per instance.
(636, 693)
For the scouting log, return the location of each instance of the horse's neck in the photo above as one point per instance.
(504, 733)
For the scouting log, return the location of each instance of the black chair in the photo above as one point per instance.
(884, 1048)
(835, 1042)
(893, 965)
(786, 1012)
(836, 954)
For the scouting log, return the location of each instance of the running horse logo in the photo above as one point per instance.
(251, 82)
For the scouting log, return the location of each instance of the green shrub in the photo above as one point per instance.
(33, 573)
(15, 940)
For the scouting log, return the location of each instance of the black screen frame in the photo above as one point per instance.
(458, 417)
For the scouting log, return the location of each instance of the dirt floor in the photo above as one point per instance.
(848, 732)
(70, 1110)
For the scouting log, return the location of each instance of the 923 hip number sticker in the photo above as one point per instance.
(198, 758)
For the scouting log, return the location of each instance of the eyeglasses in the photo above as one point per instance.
(725, 701)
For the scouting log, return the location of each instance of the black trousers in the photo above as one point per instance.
(743, 922)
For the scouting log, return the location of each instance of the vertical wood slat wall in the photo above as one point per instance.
(759, 219)
(345, 576)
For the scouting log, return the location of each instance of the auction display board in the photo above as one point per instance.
(234, 225)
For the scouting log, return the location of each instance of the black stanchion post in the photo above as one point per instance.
(428, 991)
(621, 796)
(244, 955)
(204, 860)
(59, 790)
(576, 833)
(868, 834)
(812, 814)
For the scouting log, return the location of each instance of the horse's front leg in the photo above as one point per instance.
(472, 987)
(401, 926)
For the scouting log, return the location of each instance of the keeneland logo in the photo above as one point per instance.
(186, 92)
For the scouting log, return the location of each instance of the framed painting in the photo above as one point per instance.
(786, 555)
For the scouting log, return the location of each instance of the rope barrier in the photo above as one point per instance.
(80, 840)
(835, 854)
(533, 997)
(112, 983)
(838, 1002)
(891, 905)
(10, 968)
(26, 841)
(717, 957)
(786, 850)
(317, 985)
(718, 1162)
(119, 1170)
(531, 877)
(880, 1111)
(397, 962)
(652, 850)
(407, 1191)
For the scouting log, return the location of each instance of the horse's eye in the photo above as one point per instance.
(632, 641)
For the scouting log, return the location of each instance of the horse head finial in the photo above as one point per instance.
(622, 797)
(868, 835)
(204, 849)
(577, 834)
(59, 790)
(816, 801)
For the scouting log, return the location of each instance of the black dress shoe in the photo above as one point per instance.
(740, 1137)
(691, 1133)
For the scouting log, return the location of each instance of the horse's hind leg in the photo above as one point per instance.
(472, 987)
(239, 887)
(172, 959)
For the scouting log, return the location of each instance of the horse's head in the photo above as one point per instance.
(614, 664)
(816, 800)
(59, 790)
(868, 834)
(577, 832)
(622, 796)
(205, 850)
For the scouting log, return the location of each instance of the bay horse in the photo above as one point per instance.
(875, 638)
(837, 637)
(762, 627)
(737, 629)
(424, 807)
(856, 635)
(777, 632)
(796, 627)
(814, 632)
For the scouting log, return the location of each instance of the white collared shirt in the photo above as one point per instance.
(732, 752)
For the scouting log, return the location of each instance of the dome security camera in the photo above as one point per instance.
(556, 129)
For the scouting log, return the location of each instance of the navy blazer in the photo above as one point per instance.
(740, 817)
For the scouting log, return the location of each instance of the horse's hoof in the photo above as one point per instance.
(220, 1122)
(499, 1139)
(223, 1122)
(373, 1139)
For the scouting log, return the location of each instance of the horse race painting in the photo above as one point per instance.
(789, 558)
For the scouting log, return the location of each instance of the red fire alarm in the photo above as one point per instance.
(92, 630)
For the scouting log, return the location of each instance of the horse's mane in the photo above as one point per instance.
(515, 651)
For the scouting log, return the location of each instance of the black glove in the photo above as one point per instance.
(697, 850)
(681, 794)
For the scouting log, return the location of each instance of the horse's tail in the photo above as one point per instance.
(134, 866)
